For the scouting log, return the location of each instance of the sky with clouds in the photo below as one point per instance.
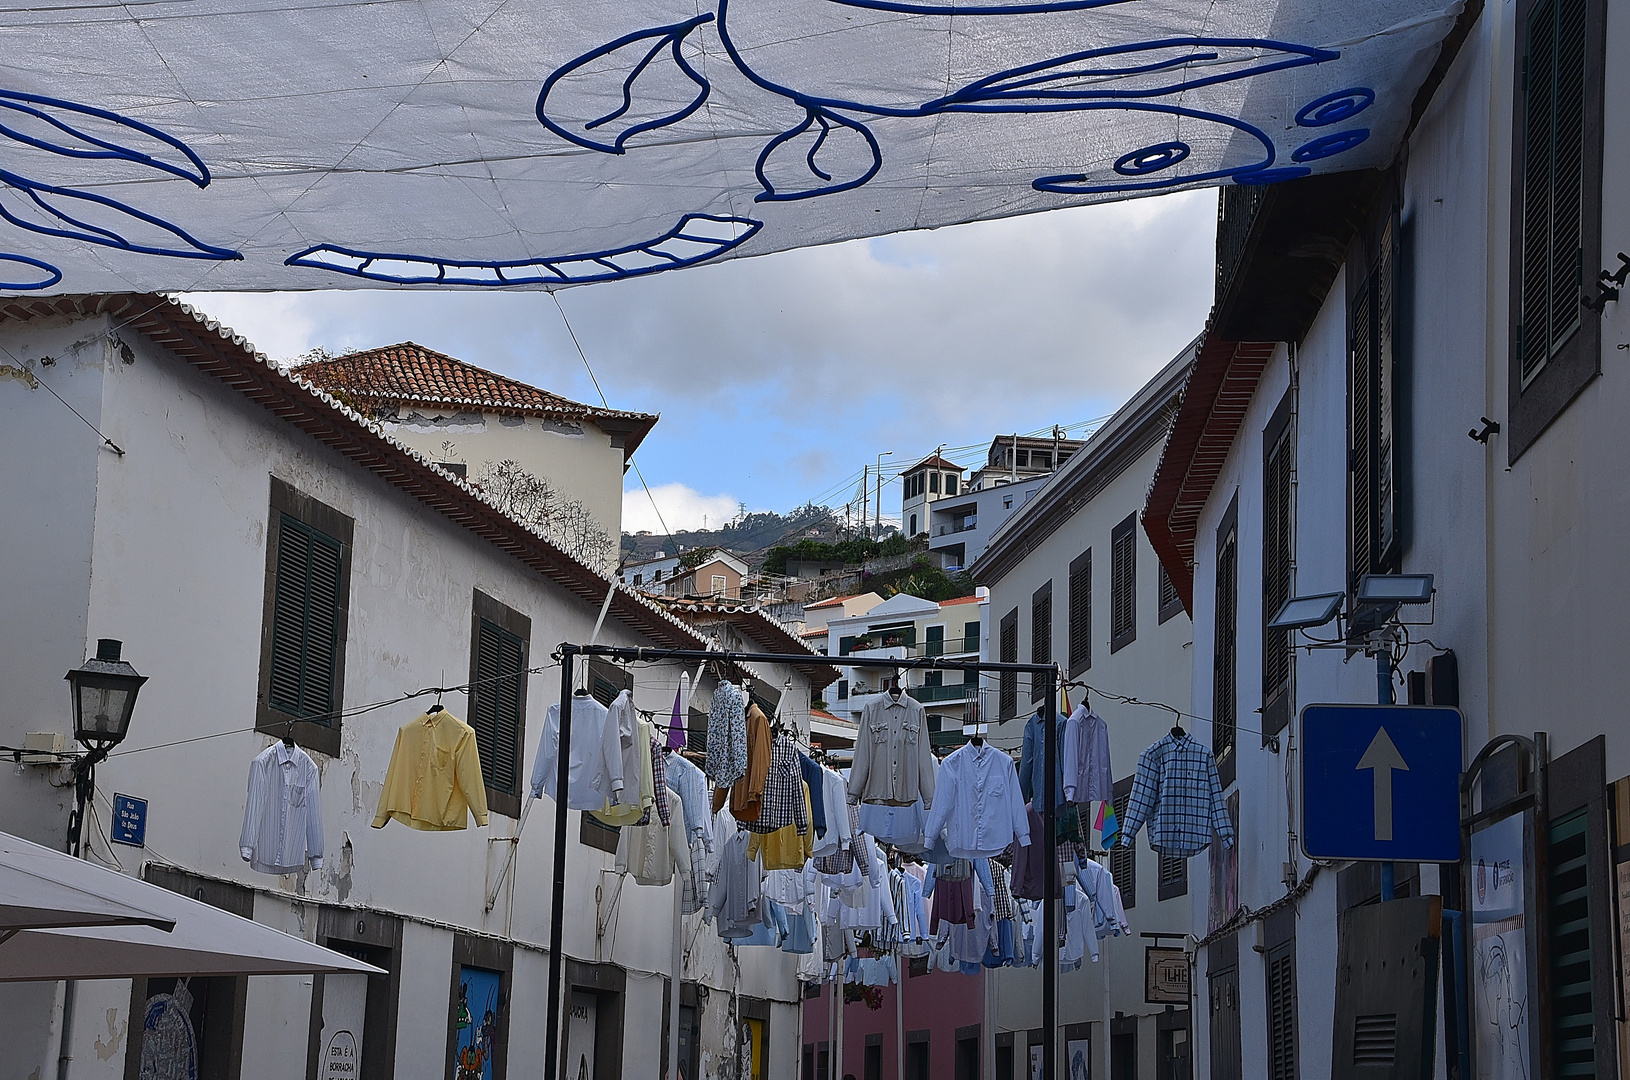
(779, 377)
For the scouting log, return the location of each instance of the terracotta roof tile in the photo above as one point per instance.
(410, 374)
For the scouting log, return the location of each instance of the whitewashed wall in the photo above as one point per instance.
(174, 565)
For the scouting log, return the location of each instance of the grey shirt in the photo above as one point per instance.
(893, 763)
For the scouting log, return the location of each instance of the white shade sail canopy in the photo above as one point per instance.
(205, 940)
(41, 888)
(261, 144)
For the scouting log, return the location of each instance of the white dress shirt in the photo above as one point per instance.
(835, 792)
(283, 819)
(977, 804)
(596, 768)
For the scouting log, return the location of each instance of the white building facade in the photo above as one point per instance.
(1414, 372)
(1073, 581)
(175, 544)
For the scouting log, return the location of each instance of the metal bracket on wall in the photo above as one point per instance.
(1608, 285)
(1490, 428)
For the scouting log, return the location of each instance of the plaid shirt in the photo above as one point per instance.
(1177, 792)
(784, 803)
(659, 774)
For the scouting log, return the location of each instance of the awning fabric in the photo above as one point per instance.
(205, 941)
(261, 144)
(40, 888)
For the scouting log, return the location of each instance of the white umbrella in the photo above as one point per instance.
(205, 940)
(41, 888)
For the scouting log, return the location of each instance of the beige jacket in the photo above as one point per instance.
(893, 762)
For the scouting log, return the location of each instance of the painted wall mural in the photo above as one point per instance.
(541, 143)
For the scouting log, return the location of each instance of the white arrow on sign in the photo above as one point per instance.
(1383, 757)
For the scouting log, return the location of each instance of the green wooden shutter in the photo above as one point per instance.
(495, 704)
(1276, 563)
(1360, 437)
(1081, 612)
(1041, 636)
(1008, 643)
(306, 614)
(1552, 260)
(1123, 583)
(1281, 994)
(1123, 861)
(1224, 655)
(1568, 917)
(1385, 525)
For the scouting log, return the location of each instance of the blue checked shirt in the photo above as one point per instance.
(1177, 792)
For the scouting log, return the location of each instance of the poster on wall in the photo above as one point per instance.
(1078, 1056)
(345, 1003)
(582, 1021)
(1499, 953)
(752, 1049)
(476, 1023)
(1224, 861)
(1035, 1061)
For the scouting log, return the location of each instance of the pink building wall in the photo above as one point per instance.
(938, 1003)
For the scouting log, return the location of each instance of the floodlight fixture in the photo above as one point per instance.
(1306, 612)
(1395, 589)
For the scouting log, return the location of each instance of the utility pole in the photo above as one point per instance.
(878, 524)
(865, 492)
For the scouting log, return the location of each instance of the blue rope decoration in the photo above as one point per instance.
(24, 103)
(825, 120)
(52, 274)
(96, 234)
(990, 95)
(666, 36)
(1336, 107)
(541, 271)
(1152, 158)
(1330, 145)
(1273, 176)
(1081, 183)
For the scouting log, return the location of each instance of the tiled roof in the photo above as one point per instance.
(961, 600)
(935, 461)
(410, 374)
(831, 601)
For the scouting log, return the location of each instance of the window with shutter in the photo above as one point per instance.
(1278, 545)
(1008, 644)
(1170, 603)
(302, 670)
(1041, 636)
(1556, 212)
(305, 622)
(1225, 646)
(1123, 861)
(1123, 583)
(499, 647)
(1375, 542)
(1281, 1001)
(1081, 612)
(1568, 919)
(1174, 877)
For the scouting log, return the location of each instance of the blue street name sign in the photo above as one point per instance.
(1381, 782)
(129, 821)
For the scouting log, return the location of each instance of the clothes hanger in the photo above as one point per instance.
(288, 735)
(436, 708)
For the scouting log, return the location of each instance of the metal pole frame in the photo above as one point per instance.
(1049, 675)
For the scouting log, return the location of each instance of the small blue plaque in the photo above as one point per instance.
(129, 821)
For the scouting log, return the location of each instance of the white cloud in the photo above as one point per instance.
(682, 508)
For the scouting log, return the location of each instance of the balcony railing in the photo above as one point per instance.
(963, 525)
(1236, 209)
(948, 647)
(956, 692)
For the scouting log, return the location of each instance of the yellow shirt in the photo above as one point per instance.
(784, 849)
(434, 779)
(616, 813)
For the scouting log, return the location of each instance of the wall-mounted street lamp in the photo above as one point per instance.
(1306, 612)
(104, 692)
